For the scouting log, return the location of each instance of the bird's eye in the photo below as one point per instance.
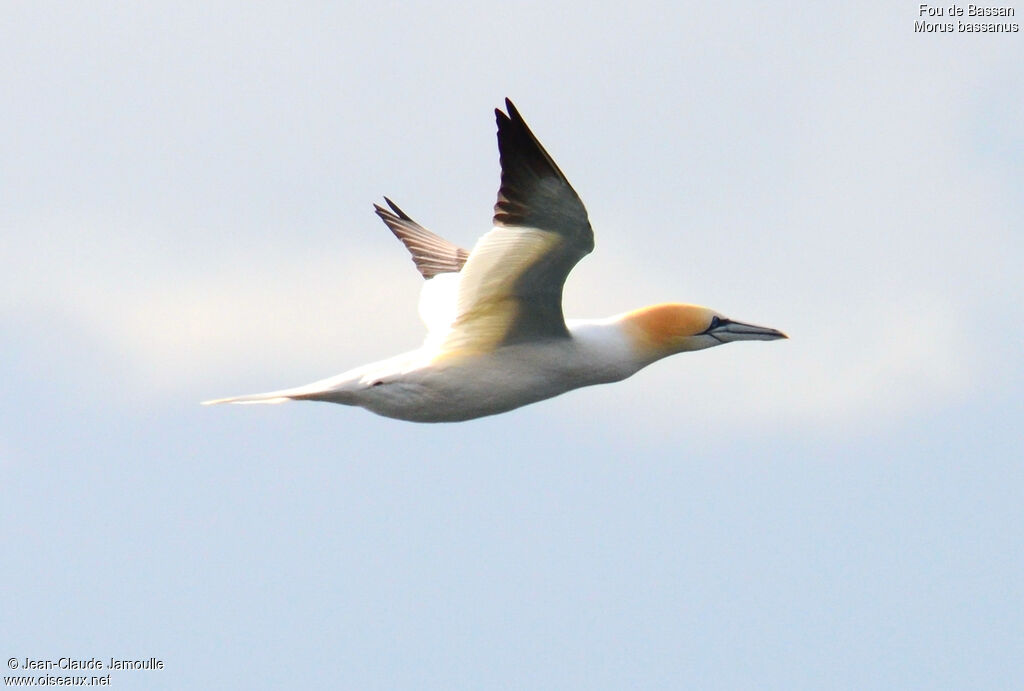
(715, 321)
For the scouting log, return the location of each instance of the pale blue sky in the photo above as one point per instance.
(185, 213)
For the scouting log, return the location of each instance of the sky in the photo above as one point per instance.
(185, 214)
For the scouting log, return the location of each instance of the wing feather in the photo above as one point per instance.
(510, 289)
(431, 253)
(534, 193)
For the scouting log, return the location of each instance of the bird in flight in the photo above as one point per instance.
(496, 337)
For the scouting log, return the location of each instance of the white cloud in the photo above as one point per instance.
(173, 327)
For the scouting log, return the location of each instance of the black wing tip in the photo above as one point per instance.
(513, 112)
(534, 191)
(383, 214)
(511, 116)
(517, 139)
(394, 207)
(395, 212)
(392, 220)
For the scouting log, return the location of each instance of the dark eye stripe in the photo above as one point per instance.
(716, 322)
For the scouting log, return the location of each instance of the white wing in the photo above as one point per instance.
(509, 288)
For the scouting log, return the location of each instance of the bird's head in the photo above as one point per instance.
(662, 330)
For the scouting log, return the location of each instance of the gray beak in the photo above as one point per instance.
(727, 330)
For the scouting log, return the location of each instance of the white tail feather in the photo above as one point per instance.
(269, 398)
(315, 391)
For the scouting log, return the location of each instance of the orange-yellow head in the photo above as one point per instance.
(666, 329)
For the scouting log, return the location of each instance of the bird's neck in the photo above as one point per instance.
(644, 335)
(613, 348)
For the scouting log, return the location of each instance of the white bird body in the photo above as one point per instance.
(496, 339)
(428, 385)
(450, 387)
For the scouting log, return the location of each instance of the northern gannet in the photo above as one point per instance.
(496, 337)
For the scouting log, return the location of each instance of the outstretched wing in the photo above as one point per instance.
(510, 289)
(431, 253)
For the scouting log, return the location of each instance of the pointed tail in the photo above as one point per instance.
(271, 398)
(332, 390)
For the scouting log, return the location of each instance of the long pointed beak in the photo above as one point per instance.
(728, 330)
